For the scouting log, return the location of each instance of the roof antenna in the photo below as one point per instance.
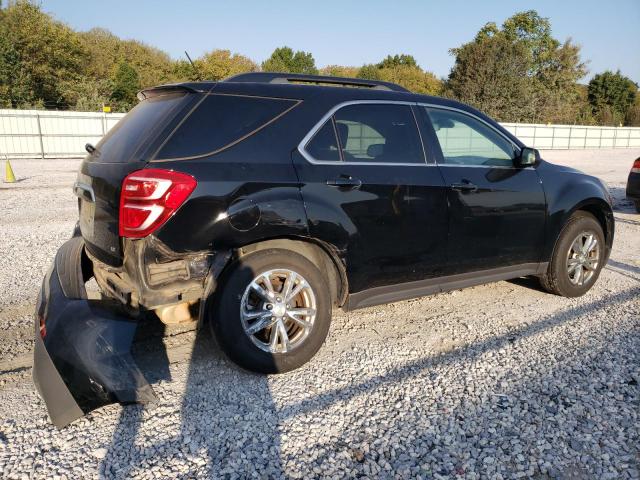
(193, 65)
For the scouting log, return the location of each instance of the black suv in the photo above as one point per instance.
(258, 203)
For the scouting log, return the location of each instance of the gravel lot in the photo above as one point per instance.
(496, 381)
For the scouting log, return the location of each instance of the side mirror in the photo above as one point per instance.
(528, 156)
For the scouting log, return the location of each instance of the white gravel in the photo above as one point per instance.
(496, 381)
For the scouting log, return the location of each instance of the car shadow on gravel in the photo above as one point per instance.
(468, 353)
(228, 423)
(625, 269)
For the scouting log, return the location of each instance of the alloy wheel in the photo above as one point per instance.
(583, 258)
(277, 310)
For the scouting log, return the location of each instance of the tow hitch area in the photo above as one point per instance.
(82, 358)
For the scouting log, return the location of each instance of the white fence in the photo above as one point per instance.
(53, 134)
(563, 137)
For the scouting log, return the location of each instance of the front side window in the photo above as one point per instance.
(465, 140)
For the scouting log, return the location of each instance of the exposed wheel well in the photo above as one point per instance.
(597, 211)
(320, 255)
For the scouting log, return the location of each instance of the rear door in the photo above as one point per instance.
(124, 149)
(369, 190)
(496, 210)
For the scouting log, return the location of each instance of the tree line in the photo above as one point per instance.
(516, 72)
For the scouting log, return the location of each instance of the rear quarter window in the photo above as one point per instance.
(127, 140)
(220, 121)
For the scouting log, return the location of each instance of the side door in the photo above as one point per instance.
(496, 209)
(369, 190)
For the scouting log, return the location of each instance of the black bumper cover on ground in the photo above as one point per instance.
(82, 358)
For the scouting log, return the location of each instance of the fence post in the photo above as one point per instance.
(600, 141)
(615, 137)
(570, 135)
(40, 135)
(104, 123)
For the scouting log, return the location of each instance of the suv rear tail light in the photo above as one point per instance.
(636, 166)
(149, 198)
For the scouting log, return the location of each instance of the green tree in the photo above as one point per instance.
(219, 64)
(519, 72)
(285, 60)
(633, 115)
(106, 50)
(48, 52)
(404, 70)
(491, 74)
(339, 71)
(14, 81)
(611, 95)
(370, 72)
(401, 60)
(125, 86)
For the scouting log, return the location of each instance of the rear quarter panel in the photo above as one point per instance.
(246, 193)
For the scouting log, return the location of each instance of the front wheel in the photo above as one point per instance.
(578, 257)
(274, 311)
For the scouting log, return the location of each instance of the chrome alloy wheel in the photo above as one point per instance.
(277, 310)
(583, 258)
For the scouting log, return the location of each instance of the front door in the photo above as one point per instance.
(370, 192)
(496, 209)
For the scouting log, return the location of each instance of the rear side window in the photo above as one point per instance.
(384, 133)
(138, 128)
(219, 121)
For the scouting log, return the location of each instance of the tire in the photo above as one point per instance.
(637, 204)
(229, 324)
(559, 279)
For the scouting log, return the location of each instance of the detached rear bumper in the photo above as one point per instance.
(82, 358)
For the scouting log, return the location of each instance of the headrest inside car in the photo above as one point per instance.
(375, 150)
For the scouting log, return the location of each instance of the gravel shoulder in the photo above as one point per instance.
(500, 380)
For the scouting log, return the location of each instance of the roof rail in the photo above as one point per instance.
(268, 77)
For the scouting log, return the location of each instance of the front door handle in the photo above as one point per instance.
(345, 182)
(464, 186)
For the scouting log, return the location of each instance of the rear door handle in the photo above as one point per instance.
(345, 182)
(464, 186)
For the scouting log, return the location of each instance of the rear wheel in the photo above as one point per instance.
(577, 259)
(274, 311)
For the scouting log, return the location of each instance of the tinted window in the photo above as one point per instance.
(136, 129)
(379, 133)
(323, 145)
(219, 121)
(467, 141)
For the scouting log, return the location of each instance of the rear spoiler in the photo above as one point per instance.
(174, 88)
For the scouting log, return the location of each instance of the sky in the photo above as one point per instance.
(357, 32)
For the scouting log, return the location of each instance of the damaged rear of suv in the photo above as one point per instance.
(194, 175)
